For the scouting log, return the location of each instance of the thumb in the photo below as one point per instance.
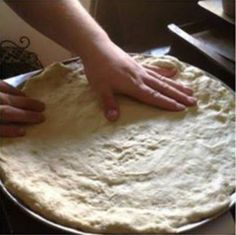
(110, 105)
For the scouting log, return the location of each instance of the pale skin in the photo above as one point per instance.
(109, 69)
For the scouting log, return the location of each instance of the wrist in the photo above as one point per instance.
(93, 47)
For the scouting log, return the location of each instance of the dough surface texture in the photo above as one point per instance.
(151, 171)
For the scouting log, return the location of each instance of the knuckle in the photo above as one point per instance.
(138, 81)
(4, 111)
(170, 90)
(161, 78)
(156, 95)
(142, 86)
(165, 86)
(6, 99)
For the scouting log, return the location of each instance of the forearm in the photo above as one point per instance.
(64, 21)
(108, 68)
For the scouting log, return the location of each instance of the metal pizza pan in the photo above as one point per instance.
(18, 81)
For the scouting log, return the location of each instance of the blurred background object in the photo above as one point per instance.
(229, 7)
(142, 24)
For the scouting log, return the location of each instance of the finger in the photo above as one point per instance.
(12, 114)
(110, 105)
(150, 96)
(6, 88)
(167, 72)
(172, 83)
(169, 91)
(11, 131)
(21, 102)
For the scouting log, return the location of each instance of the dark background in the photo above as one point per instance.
(138, 25)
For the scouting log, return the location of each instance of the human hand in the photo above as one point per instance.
(111, 71)
(15, 109)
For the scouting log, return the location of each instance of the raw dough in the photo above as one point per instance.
(152, 171)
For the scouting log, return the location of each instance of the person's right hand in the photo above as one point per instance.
(15, 109)
(112, 71)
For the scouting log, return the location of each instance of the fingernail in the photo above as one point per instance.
(192, 100)
(21, 131)
(112, 114)
(180, 107)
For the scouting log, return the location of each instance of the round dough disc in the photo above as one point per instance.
(151, 171)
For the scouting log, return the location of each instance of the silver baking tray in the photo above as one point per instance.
(18, 81)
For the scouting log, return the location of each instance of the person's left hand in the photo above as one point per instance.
(16, 108)
(111, 71)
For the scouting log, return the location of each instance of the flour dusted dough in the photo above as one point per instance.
(152, 171)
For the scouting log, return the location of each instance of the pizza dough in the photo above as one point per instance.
(152, 171)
